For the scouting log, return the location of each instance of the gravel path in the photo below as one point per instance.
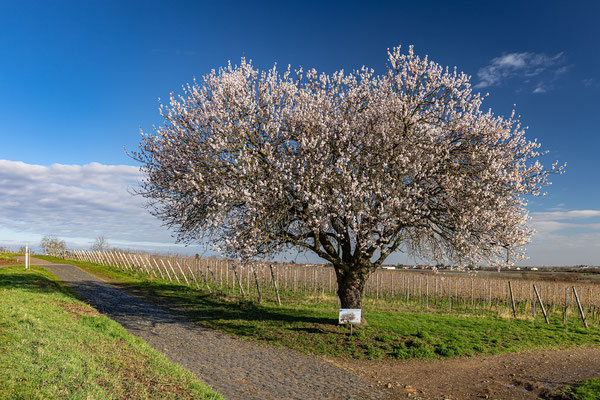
(236, 368)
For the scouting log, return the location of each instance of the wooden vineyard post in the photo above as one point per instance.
(304, 282)
(275, 284)
(426, 291)
(135, 264)
(111, 260)
(238, 279)
(170, 266)
(507, 298)
(182, 273)
(449, 295)
(483, 297)
(116, 260)
(472, 293)
(119, 256)
(193, 276)
(248, 281)
(166, 270)
(541, 303)
(140, 265)
(133, 260)
(585, 324)
(226, 276)
(205, 279)
(203, 276)
(122, 259)
(150, 267)
(512, 299)
(214, 278)
(220, 266)
(256, 281)
(566, 306)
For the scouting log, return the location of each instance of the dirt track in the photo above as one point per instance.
(523, 375)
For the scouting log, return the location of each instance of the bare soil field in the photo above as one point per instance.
(525, 375)
(548, 274)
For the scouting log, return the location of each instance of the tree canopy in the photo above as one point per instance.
(352, 167)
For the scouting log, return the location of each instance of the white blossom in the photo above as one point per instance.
(350, 166)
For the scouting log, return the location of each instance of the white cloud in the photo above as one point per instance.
(561, 215)
(526, 67)
(76, 201)
(565, 237)
(81, 202)
(591, 83)
(540, 88)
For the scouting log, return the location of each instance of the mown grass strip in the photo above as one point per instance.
(54, 346)
(310, 324)
(586, 390)
(7, 257)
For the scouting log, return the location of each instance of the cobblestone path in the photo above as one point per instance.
(238, 369)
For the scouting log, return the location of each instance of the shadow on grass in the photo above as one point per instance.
(313, 330)
(163, 303)
(31, 282)
(215, 310)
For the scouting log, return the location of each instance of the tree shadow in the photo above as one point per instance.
(135, 305)
(201, 307)
(31, 283)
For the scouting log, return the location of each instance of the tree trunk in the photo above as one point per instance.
(351, 285)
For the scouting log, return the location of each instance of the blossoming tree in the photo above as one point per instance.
(351, 167)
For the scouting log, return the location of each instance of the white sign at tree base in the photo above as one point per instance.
(350, 315)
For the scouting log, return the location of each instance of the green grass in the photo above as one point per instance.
(54, 346)
(7, 257)
(309, 324)
(587, 390)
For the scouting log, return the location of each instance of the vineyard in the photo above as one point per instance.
(440, 292)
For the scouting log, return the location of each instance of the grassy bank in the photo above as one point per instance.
(54, 346)
(586, 390)
(7, 257)
(309, 324)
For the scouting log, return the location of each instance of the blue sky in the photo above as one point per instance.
(79, 79)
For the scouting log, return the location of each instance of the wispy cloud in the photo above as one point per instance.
(565, 215)
(591, 83)
(78, 201)
(540, 88)
(565, 237)
(532, 68)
